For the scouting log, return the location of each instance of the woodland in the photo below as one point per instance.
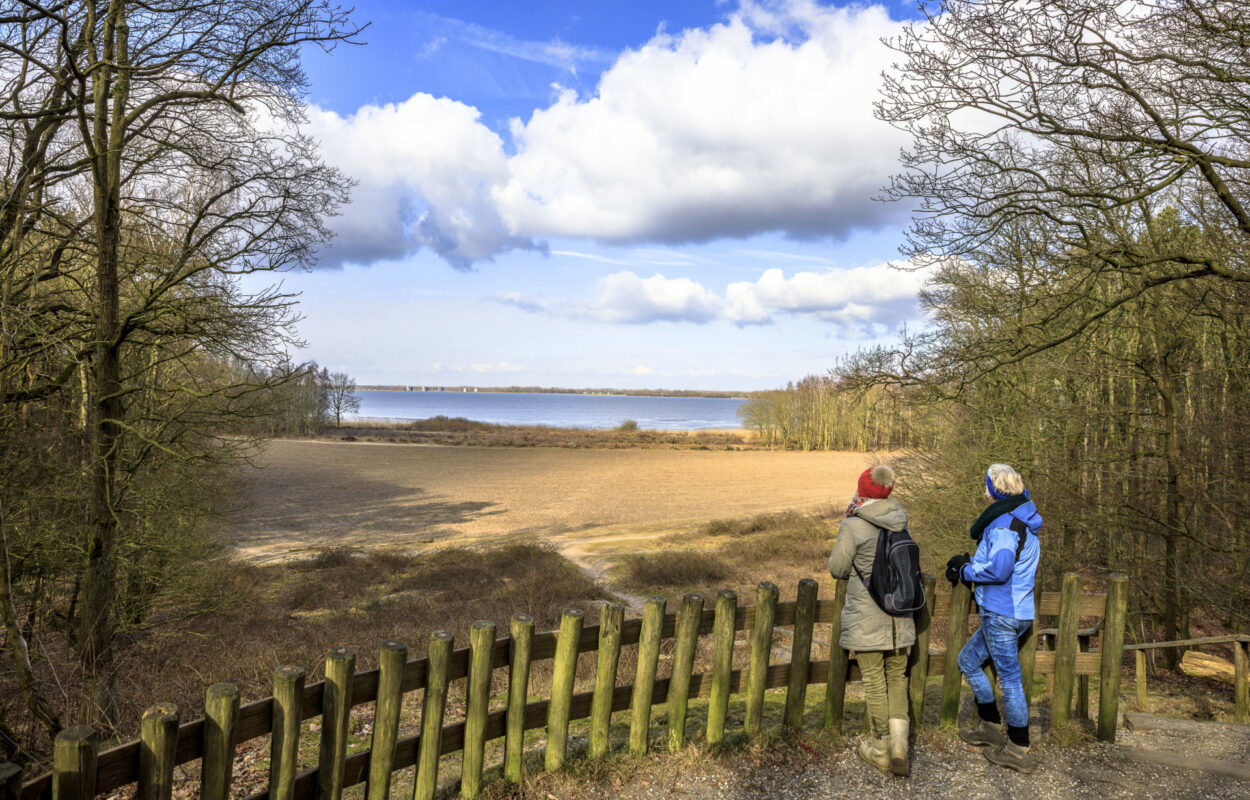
(1079, 174)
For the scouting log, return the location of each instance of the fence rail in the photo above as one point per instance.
(81, 772)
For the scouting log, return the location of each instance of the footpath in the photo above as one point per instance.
(943, 766)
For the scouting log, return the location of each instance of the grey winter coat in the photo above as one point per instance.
(864, 625)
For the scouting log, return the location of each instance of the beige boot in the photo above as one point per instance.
(875, 752)
(898, 747)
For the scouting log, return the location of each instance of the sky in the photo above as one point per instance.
(600, 193)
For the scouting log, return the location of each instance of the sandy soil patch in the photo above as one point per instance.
(309, 495)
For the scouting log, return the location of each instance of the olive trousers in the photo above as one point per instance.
(885, 687)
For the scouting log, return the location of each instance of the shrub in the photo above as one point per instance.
(628, 426)
(676, 568)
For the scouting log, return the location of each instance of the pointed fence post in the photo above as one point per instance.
(686, 641)
(1065, 650)
(74, 756)
(761, 649)
(918, 658)
(158, 743)
(433, 707)
(722, 664)
(644, 679)
(835, 685)
(956, 638)
(611, 616)
(221, 715)
(522, 630)
(336, 712)
(1111, 647)
(391, 659)
(800, 653)
(288, 709)
(481, 649)
(563, 673)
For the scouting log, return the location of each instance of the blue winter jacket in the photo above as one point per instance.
(1002, 584)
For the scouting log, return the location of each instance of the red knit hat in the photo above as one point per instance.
(876, 482)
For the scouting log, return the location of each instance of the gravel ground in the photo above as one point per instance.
(942, 766)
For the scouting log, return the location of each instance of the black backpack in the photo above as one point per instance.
(895, 583)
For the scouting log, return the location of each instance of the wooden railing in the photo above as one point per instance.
(81, 772)
(1241, 667)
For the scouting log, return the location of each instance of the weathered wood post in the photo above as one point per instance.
(1241, 679)
(686, 641)
(918, 658)
(158, 742)
(10, 781)
(288, 709)
(1065, 650)
(1139, 663)
(564, 671)
(336, 713)
(522, 630)
(722, 664)
(761, 647)
(800, 652)
(221, 715)
(611, 616)
(956, 638)
(481, 648)
(391, 659)
(835, 684)
(433, 706)
(644, 679)
(74, 758)
(1111, 647)
(1028, 648)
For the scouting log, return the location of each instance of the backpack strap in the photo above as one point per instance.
(1022, 531)
(862, 579)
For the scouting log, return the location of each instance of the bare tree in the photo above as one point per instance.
(154, 156)
(341, 395)
(1027, 114)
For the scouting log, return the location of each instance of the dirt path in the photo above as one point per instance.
(310, 495)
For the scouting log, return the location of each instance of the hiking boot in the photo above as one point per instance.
(898, 747)
(985, 733)
(1010, 755)
(875, 752)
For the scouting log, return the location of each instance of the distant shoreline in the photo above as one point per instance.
(556, 390)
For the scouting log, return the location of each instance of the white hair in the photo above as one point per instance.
(1005, 479)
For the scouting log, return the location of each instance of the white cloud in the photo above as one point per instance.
(716, 133)
(424, 169)
(859, 300)
(761, 123)
(525, 302)
(554, 53)
(873, 296)
(625, 297)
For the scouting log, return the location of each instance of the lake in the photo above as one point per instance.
(555, 410)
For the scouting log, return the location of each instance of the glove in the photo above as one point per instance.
(955, 567)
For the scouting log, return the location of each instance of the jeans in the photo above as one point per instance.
(885, 687)
(996, 640)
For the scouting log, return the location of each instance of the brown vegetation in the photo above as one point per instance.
(460, 431)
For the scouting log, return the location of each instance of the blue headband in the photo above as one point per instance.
(989, 487)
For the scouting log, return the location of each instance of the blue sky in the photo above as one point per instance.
(589, 194)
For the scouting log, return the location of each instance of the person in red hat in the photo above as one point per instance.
(880, 641)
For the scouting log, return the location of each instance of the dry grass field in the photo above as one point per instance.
(307, 496)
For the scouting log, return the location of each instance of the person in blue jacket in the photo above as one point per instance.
(1001, 573)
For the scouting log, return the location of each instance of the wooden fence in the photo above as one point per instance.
(81, 772)
(1240, 644)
